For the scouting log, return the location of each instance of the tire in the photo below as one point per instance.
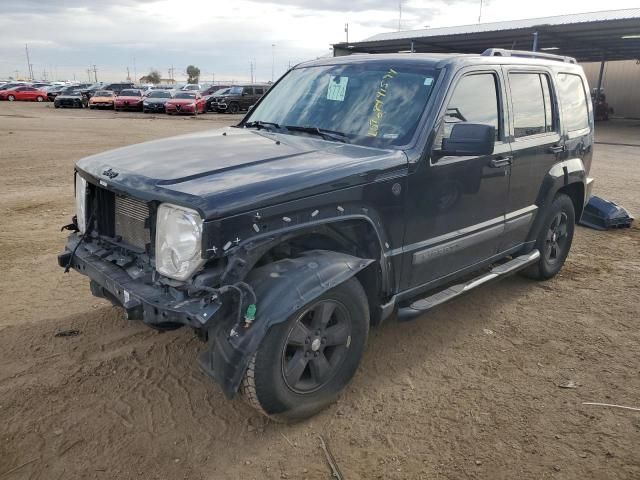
(39, 98)
(554, 240)
(293, 397)
(11, 98)
(233, 108)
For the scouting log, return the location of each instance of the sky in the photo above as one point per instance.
(223, 38)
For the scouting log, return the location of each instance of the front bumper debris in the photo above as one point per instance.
(153, 304)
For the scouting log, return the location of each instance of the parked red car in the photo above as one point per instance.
(23, 93)
(190, 103)
(129, 99)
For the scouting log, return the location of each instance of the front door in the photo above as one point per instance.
(456, 205)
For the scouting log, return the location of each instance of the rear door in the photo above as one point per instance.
(536, 145)
(246, 99)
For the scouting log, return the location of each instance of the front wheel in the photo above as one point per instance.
(304, 363)
(11, 98)
(234, 108)
(40, 98)
(554, 240)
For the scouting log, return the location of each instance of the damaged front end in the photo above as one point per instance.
(127, 249)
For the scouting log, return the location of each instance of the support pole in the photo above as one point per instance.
(600, 78)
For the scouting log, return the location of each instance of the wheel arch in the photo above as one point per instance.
(281, 287)
(567, 177)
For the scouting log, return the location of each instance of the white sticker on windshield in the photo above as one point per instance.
(337, 88)
(428, 80)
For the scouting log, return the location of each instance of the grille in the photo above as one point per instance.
(131, 221)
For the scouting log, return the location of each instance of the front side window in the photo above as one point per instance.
(235, 91)
(369, 103)
(532, 109)
(574, 102)
(474, 100)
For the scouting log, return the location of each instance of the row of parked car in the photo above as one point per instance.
(184, 99)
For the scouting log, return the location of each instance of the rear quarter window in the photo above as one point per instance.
(573, 99)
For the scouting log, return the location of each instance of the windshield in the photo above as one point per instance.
(185, 95)
(104, 93)
(375, 103)
(130, 93)
(222, 91)
(159, 94)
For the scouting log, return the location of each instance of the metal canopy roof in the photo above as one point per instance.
(586, 36)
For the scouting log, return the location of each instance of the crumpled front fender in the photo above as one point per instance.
(281, 288)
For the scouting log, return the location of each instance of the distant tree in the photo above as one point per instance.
(154, 77)
(193, 73)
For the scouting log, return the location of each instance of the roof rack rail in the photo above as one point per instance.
(503, 52)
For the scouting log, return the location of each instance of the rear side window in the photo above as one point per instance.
(474, 100)
(575, 112)
(532, 107)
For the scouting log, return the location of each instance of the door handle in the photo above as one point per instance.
(500, 162)
(556, 149)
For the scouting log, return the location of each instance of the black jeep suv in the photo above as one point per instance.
(359, 187)
(237, 98)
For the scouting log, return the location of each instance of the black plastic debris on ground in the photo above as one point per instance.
(602, 214)
(67, 333)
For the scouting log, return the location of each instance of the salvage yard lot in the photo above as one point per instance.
(473, 389)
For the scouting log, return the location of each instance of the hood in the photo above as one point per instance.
(232, 170)
(97, 98)
(129, 99)
(68, 95)
(181, 101)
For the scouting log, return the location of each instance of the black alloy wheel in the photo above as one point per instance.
(554, 240)
(316, 346)
(305, 362)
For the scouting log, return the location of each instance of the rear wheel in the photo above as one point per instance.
(305, 362)
(554, 240)
(40, 98)
(11, 98)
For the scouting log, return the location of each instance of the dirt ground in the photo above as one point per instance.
(473, 389)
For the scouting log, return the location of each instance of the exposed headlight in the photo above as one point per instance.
(146, 104)
(81, 203)
(178, 241)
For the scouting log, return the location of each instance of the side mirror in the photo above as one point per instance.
(469, 139)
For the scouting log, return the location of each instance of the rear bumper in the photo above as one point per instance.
(152, 304)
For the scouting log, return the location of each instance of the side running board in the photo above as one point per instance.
(420, 306)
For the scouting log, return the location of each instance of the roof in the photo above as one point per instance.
(439, 60)
(585, 36)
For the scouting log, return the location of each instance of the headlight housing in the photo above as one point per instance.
(178, 241)
(81, 203)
